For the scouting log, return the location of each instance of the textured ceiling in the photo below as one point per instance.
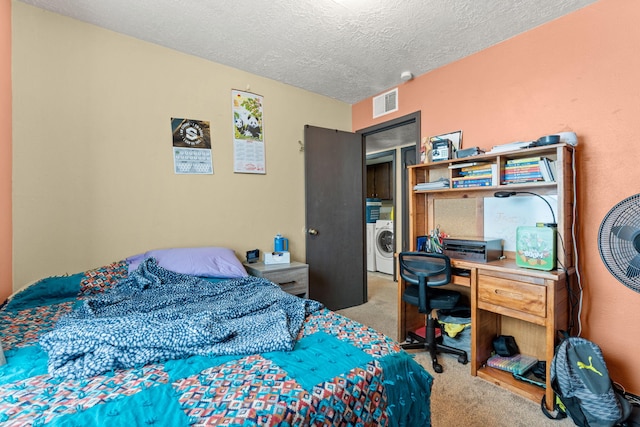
(345, 49)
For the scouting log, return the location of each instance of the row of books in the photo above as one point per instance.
(477, 174)
(530, 169)
(486, 174)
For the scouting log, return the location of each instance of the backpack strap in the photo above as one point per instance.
(563, 335)
(560, 413)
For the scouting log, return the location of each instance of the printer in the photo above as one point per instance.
(475, 249)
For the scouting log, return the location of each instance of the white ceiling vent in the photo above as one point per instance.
(385, 103)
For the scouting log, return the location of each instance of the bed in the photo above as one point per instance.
(68, 344)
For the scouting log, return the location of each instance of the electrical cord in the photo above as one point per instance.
(573, 298)
(575, 244)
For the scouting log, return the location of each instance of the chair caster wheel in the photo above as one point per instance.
(437, 367)
(463, 359)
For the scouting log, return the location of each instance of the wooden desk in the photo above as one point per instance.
(531, 305)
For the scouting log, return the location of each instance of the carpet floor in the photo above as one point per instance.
(457, 398)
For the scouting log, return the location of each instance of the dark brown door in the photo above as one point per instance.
(335, 217)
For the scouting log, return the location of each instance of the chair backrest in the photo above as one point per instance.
(425, 269)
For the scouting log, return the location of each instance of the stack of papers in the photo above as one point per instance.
(510, 147)
(441, 183)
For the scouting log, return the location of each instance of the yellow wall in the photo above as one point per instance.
(92, 152)
(5, 149)
(578, 73)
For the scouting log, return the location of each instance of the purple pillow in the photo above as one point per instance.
(134, 261)
(202, 262)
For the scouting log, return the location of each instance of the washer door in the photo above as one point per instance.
(384, 243)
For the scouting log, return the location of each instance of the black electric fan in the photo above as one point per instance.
(619, 242)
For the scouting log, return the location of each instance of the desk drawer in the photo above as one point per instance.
(512, 295)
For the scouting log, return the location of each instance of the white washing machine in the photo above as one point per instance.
(371, 243)
(384, 246)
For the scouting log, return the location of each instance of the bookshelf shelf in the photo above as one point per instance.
(423, 217)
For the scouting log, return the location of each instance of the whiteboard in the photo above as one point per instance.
(503, 215)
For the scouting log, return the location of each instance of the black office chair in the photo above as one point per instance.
(423, 271)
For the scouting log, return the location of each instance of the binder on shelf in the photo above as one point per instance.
(547, 170)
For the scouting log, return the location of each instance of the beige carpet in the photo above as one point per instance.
(457, 398)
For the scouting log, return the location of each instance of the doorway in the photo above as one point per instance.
(380, 197)
(401, 137)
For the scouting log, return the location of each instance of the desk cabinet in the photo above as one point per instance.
(532, 305)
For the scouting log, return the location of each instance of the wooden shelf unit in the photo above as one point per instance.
(422, 203)
(532, 305)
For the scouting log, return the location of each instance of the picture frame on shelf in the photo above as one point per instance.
(454, 137)
(443, 147)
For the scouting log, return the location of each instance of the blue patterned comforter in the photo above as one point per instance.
(339, 372)
(156, 314)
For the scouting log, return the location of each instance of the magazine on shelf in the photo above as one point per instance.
(441, 183)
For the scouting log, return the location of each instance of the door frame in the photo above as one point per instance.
(413, 118)
(405, 194)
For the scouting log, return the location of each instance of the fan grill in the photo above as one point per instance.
(619, 242)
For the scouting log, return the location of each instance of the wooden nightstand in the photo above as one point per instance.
(292, 278)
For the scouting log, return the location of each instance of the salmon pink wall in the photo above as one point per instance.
(5, 149)
(578, 73)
